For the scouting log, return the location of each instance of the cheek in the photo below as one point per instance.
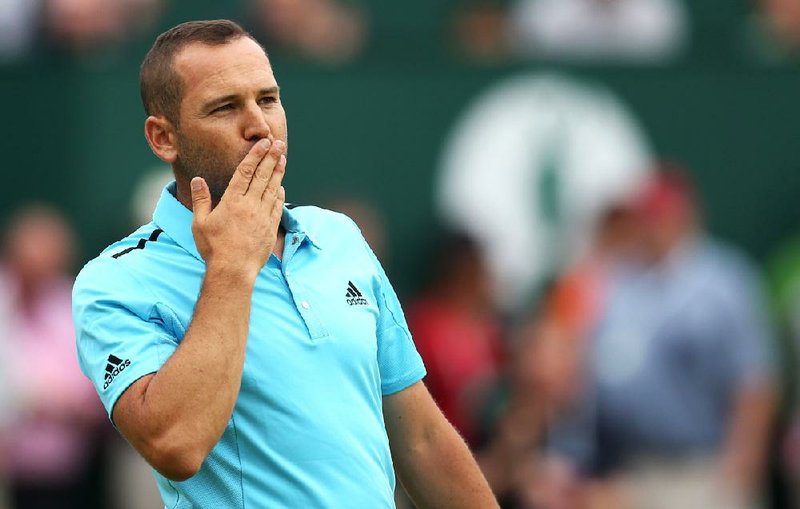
(277, 123)
(221, 141)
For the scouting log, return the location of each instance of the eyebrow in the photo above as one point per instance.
(233, 97)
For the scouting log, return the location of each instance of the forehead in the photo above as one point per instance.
(235, 67)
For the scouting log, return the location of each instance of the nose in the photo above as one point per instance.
(255, 123)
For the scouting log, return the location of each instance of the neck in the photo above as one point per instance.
(183, 193)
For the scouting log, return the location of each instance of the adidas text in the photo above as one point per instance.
(111, 375)
(353, 295)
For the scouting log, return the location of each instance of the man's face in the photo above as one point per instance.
(230, 101)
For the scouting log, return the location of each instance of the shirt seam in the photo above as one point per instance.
(375, 264)
(177, 493)
(138, 281)
(395, 321)
(156, 301)
(126, 306)
(239, 456)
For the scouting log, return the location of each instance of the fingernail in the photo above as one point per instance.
(265, 143)
(283, 160)
(197, 184)
(283, 192)
(279, 144)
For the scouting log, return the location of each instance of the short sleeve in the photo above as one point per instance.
(399, 362)
(119, 327)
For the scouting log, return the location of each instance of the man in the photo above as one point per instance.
(255, 354)
(681, 397)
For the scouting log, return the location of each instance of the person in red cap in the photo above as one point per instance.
(679, 395)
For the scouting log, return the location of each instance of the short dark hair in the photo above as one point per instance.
(161, 86)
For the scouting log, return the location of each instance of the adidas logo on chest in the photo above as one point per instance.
(354, 296)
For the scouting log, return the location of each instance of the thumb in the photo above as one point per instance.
(201, 198)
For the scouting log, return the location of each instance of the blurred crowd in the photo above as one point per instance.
(336, 31)
(644, 375)
(322, 30)
(653, 366)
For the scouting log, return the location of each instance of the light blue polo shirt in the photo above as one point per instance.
(327, 341)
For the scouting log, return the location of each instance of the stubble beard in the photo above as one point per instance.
(197, 160)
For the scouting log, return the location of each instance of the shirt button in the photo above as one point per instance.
(294, 240)
(305, 304)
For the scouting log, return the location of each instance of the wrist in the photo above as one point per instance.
(231, 273)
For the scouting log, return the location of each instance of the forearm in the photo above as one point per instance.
(175, 416)
(440, 472)
(187, 404)
(432, 461)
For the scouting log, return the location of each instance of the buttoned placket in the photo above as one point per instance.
(294, 284)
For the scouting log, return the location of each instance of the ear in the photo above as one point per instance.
(161, 136)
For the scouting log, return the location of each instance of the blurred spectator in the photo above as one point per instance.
(18, 26)
(458, 335)
(547, 365)
(7, 402)
(508, 459)
(623, 30)
(481, 30)
(327, 31)
(51, 437)
(784, 271)
(679, 401)
(578, 296)
(80, 24)
(71, 24)
(773, 31)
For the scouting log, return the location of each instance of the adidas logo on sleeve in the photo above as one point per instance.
(354, 296)
(114, 367)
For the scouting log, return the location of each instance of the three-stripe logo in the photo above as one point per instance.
(114, 367)
(354, 296)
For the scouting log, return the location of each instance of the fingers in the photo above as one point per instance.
(277, 207)
(242, 177)
(265, 169)
(201, 198)
(275, 180)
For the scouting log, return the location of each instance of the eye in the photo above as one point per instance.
(222, 108)
(269, 99)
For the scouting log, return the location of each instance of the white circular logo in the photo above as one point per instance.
(528, 167)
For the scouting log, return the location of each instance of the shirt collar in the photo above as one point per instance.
(176, 220)
(291, 223)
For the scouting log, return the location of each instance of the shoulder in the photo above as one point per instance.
(731, 271)
(323, 225)
(724, 259)
(118, 269)
(336, 234)
(312, 215)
